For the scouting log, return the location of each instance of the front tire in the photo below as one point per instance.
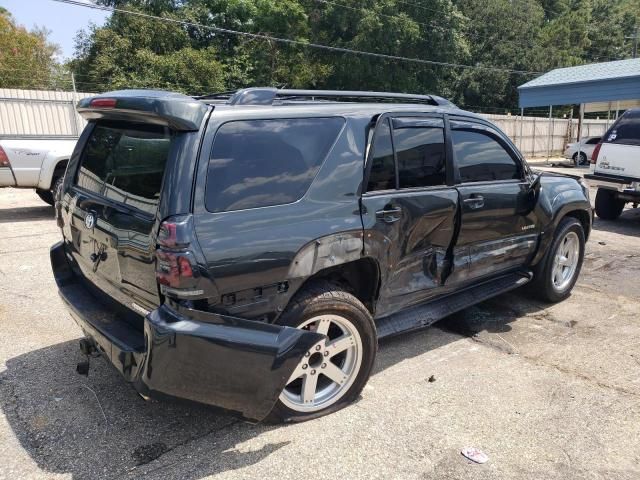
(558, 272)
(608, 206)
(334, 372)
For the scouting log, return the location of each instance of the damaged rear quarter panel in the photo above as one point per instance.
(253, 248)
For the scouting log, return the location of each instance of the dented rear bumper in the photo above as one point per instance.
(240, 365)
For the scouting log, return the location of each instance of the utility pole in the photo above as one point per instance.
(635, 37)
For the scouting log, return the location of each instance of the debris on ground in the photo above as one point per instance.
(474, 455)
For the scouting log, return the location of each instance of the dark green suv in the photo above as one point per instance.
(248, 249)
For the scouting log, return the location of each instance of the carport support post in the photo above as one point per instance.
(533, 153)
(521, 120)
(580, 120)
(550, 133)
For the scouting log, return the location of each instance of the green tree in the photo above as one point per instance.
(133, 52)
(392, 27)
(503, 43)
(503, 35)
(27, 58)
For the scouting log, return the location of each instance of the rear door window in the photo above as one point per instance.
(626, 130)
(383, 169)
(126, 163)
(482, 158)
(258, 163)
(420, 152)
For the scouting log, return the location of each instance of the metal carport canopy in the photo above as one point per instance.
(584, 84)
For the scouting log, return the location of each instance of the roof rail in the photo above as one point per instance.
(268, 96)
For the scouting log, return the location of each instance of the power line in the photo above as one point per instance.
(295, 42)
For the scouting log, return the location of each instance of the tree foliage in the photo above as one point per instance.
(496, 44)
(27, 59)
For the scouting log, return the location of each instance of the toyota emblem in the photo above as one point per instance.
(90, 221)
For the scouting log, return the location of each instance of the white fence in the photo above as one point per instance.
(541, 137)
(45, 113)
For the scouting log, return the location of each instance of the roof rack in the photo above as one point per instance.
(268, 96)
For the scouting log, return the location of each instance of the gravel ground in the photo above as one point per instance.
(545, 391)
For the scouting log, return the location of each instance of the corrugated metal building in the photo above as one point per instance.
(39, 113)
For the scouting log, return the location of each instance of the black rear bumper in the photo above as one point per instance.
(236, 364)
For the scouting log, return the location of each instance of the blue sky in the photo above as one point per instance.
(62, 20)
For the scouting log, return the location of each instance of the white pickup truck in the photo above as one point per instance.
(615, 167)
(38, 164)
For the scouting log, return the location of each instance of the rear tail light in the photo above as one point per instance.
(4, 159)
(176, 266)
(173, 268)
(596, 152)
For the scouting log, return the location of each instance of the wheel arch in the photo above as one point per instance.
(55, 169)
(360, 277)
(583, 217)
(578, 209)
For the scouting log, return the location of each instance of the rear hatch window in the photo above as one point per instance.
(126, 164)
(112, 220)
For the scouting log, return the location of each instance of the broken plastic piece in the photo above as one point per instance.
(474, 455)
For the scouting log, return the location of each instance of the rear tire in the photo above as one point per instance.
(56, 188)
(50, 196)
(46, 196)
(581, 161)
(557, 273)
(332, 378)
(608, 207)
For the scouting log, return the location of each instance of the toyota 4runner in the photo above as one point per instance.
(247, 250)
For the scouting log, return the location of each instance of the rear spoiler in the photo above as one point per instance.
(174, 110)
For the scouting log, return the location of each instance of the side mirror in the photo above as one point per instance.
(528, 197)
(535, 184)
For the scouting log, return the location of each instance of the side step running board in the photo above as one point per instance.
(427, 314)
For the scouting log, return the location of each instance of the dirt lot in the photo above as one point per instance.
(548, 392)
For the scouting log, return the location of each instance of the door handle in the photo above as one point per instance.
(389, 214)
(474, 202)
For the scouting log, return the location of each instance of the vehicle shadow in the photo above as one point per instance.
(493, 316)
(26, 214)
(627, 224)
(98, 427)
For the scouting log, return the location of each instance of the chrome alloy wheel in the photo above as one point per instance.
(328, 369)
(565, 262)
